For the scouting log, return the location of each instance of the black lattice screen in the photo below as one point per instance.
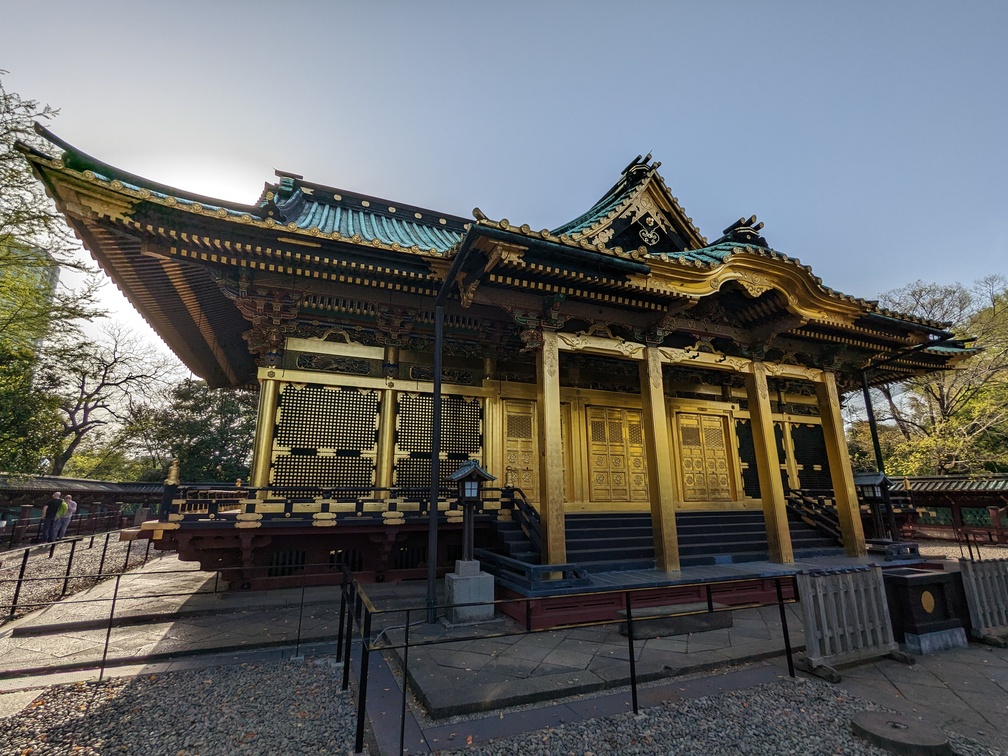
(314, 470)
(782, 456)
(810, 453)
(320, 417)
(461, 424)
(461, 439)
(747, 455)
(325, 437)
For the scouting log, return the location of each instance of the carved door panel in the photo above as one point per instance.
(521, 459)
(616, 470)
(706, 472)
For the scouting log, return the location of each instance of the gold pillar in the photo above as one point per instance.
(768, 465)
(551, 469)
(661, 484)
(385, 462)
(262, 449)
(848, 509)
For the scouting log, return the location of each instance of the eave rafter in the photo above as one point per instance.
(750, 298)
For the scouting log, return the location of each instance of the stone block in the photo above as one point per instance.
(681, 625)
(469, 585)
(939, 640)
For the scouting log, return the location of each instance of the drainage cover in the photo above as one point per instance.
(900, 734)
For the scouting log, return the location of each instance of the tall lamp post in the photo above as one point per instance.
(879, 464)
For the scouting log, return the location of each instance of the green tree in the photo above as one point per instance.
(210, 432)
(955, 421)
(35, 246)
(94, 384)
(35, 241)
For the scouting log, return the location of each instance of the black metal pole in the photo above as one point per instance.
(784, 627)
(435, 488)
(405, 685)
(108, 630)
(101, 563)
(872, 426)
(630, 646)
(362, 682)
(879, 464)
(17, 587)
(66, 578)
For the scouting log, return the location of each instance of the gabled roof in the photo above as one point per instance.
(638, 211)
(191, 265)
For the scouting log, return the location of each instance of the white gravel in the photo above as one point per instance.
(295, 707)
(270, 708)
(788, 717)
(86, 561)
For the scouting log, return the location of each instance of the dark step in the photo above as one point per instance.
(723, 547)
(626, 529)
(723, 535)
(620, 565)
(710, 559)
(809, 553)
(692, 527)
(590, 556)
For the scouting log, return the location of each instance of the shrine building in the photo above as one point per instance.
(619, 366)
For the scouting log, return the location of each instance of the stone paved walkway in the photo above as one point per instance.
(568, 674)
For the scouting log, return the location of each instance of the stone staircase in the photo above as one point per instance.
(623, 541)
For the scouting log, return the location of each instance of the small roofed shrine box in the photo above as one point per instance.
(925, 609)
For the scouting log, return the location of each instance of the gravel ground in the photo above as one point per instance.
(270, 708)
(86, 561)
(789, 717)
(297, 708)
(951, 550)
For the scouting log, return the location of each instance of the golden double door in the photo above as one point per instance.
(614, 463)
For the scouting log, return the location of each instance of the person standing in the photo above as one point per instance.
(49, 513)
(63, 521)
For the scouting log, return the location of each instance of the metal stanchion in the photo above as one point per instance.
(405, 683)
(362, 682)
(784, 625)
(108, 631)
(297, 647)
(104, 551)
(630, 645)
(17, 587)
(66, 578)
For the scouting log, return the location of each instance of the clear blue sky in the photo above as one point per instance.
(868, 136)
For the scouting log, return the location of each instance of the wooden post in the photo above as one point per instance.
(768, 465)
(661, 484)
(551, 471)
(848, 509)
(262, 450)
(386, 424)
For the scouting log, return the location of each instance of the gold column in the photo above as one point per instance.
(661, 484)
(493, 433)
(551, 472)
(768, 465)
(385, 462)
(848, 509)
(262, 449)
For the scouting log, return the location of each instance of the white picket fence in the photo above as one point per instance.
(846, 616)
(986, 585)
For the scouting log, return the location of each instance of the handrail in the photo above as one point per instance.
(815, 511)
(527, 516)
(533, 578)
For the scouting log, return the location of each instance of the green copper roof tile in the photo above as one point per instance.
(370, 219)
